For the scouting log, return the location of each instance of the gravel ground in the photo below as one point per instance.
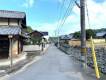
(101, 57)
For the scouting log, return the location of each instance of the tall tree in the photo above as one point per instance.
(89, 33)
(29, 29)
(77, 35)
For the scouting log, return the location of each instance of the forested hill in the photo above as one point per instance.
(100, 30)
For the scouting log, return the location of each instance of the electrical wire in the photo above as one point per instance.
(87, 14)
(59, 16)
(67, 13)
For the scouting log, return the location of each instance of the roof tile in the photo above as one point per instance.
(10, 30)
(11, 14)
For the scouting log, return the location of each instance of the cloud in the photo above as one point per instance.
(97, 15)
(50, 27)
(60, 1)
(28, 3)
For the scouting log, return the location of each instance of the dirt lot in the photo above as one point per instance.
(97, 42)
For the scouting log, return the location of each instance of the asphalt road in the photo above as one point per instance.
(53, 65)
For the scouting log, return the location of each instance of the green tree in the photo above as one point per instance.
(89, 33)
(29, 29)
(77, 35)
(36, 40)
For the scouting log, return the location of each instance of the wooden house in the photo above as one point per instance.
(12, 25)
(35, 37)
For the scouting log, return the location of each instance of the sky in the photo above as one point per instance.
(45, 15)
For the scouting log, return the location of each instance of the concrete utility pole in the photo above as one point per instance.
(42, 44)
(83, 31)
(10, 51)
(58, 40)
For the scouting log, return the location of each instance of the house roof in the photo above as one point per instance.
(10, 30)
(36, 33)
(66, 37)
(100, 34)
(44, 33)
(11, 14)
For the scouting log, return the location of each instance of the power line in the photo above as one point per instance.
(87, 14)
(59, 16)
(62, 6)
(67, 13)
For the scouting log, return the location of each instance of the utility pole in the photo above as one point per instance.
(83, 31)
(10, 51)
(58, 39)
(42, 44)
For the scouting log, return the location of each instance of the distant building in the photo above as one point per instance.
(12, 25)
(66, 37)
(36, 36)
(45, 35)
(101, 35)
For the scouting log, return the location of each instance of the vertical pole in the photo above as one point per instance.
(83, 31)
(58, 42)
(42, 44)
(58, 39)
(10, 52)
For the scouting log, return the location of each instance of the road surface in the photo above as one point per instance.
(53, 65)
